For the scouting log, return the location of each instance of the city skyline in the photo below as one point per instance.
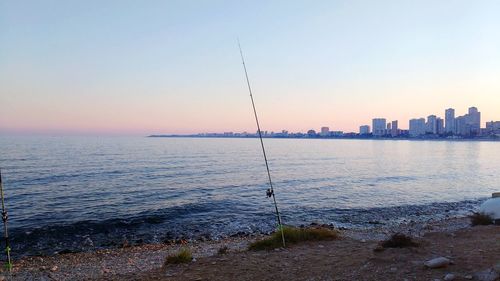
(465, 125)
(130, 68)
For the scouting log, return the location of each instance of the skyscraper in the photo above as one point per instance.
(439, 126)
(474, 120)
(417, 127)
(461, 126)
(431, 124)
(449, 120)
(394, 128)
(379, 125)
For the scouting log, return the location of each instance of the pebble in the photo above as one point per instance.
(393, 269)
(54, 268)
(497, 267)
(88, 242)
(449, 277)
(2, 278)
(468, 277)
(437, 262)
(486, 275)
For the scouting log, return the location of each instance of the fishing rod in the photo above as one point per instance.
(270, 191)
(8, 265)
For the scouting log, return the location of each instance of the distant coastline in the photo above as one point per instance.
(423, 138)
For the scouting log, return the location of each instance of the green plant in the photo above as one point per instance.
(183, 256)
(399, 240)
(480, 219)
(294, 235)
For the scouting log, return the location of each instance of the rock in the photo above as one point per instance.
(363, 241)
(2, 278)
(393, 269)
(497, 267)
(449, 277)
(88, 243)
(437, 262)
(486, 275)
(468, 277)
(491, 207)
(54, 268)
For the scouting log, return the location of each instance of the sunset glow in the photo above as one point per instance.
(138, 68)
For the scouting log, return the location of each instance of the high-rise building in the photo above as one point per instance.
(474, 121)
(364, 130)
(449, 120)
(417, 127)
(325, 131)
(461, 126)
(394, 128)
(431, 124)
(378, 126)
(440, 126)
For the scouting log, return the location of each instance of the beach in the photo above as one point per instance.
(471, 250)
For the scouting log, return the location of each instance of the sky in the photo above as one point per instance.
(149, 67)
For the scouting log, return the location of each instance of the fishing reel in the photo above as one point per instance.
(269, 193)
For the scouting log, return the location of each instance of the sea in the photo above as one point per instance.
(71, 194)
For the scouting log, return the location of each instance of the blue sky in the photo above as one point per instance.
(139, 67)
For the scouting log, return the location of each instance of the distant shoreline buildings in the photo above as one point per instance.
(467, 126)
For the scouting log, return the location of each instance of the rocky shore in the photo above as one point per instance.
(473, 253)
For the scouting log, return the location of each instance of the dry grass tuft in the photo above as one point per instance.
(223, 250)
(480, 219)
(183, 256)
(399, 240)
(293, 236)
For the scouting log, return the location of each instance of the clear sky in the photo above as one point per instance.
(142, 67)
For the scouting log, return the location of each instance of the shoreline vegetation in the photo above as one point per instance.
(469, 251)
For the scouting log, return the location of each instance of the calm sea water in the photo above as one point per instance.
(71, 193)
